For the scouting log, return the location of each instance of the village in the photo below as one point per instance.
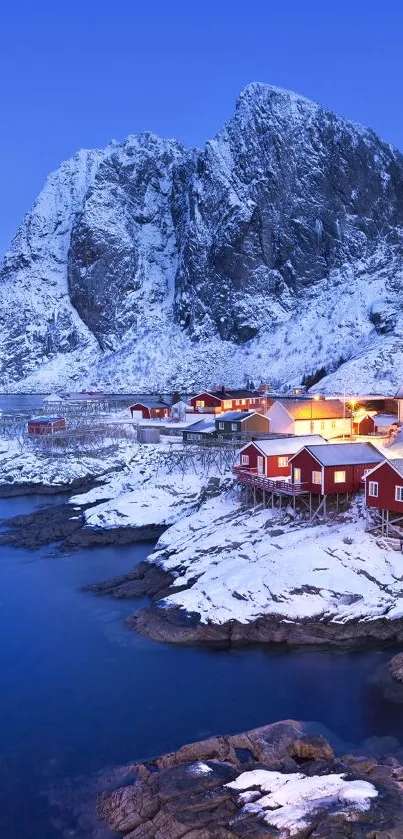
(310, 455)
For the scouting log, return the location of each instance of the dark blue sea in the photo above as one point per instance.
(79, 691)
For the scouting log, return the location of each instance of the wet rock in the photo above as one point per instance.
(396, 668)
(191, 793)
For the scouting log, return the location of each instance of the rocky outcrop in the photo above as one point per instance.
(276, 782)
(396, 668)
(225, 254)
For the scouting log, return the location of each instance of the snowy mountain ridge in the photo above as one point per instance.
(273, 251)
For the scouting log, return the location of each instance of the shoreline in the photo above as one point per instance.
(174, 625)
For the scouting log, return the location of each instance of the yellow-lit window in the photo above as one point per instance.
(339, 477)
(228, 405)
(200, 403)
(297, 476)
(282, 462)
(316, 477)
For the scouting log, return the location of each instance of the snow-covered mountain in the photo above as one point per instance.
(275, 250)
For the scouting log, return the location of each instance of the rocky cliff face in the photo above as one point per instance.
(274, 250)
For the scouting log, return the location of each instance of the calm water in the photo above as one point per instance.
(80, 692)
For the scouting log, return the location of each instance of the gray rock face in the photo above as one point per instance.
(224, 252)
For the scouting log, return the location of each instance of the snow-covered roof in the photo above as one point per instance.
(235, 416)
(150, 402)
(53, 397)
(286, 445)
(46, 420)
(385, 419)
(206, 425)
(307, 409)
(399, 394)
(345, 454)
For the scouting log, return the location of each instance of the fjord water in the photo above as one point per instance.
(80, 692)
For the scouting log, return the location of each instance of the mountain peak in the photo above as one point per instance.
(270, 94)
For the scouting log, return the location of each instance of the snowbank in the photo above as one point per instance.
(288, 802)
(239, 565)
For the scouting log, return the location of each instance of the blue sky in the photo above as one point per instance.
(77, 74)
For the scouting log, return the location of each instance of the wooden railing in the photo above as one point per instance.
(248, 477)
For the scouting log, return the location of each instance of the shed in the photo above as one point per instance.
(364, 424)
(335, 468)
(271, 457)
(145, 434)
(46, 425)
(150, 409)
(199, 430)
(385, 422)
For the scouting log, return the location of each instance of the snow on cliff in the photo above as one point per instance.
(274, 250)
(238, 565)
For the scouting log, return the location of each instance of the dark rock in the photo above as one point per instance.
(185, 794)
(396, 668)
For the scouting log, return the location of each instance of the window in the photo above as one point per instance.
(373, 489)
(297, 476)
(234, 426)
(322, 425)
(243, 401)
(221, 426)
(244, 460)
(316, 477)
(227, 405)
(282, 462)
(199, 403)
(398, 493)
(193, 436)
(333, 424)
(339, 477)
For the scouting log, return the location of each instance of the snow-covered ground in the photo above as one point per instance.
(158, 501)
(288, 802)
(242, 565)
(29, 465)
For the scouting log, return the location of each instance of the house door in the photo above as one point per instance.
(297, 476)
(260, 465)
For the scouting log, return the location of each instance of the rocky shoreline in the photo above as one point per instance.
(176, 626)
(274, 782)
(65, 524)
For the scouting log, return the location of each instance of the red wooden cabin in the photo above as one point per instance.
(335, 468)
(271, 457)
(46, 425)
(219, 401)
(384, 486)
(364, 424)
(154, 410)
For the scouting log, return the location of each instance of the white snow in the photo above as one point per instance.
(199, 768)
(236, 569)
(158, 501)
(289, 801)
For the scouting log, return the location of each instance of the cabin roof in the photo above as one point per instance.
(46, 420)
(345, 454)
(224, 394)
(306, 409)
(235, 416)
(206, 425)
(150, 403)
(385, 419)
(286, 445)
